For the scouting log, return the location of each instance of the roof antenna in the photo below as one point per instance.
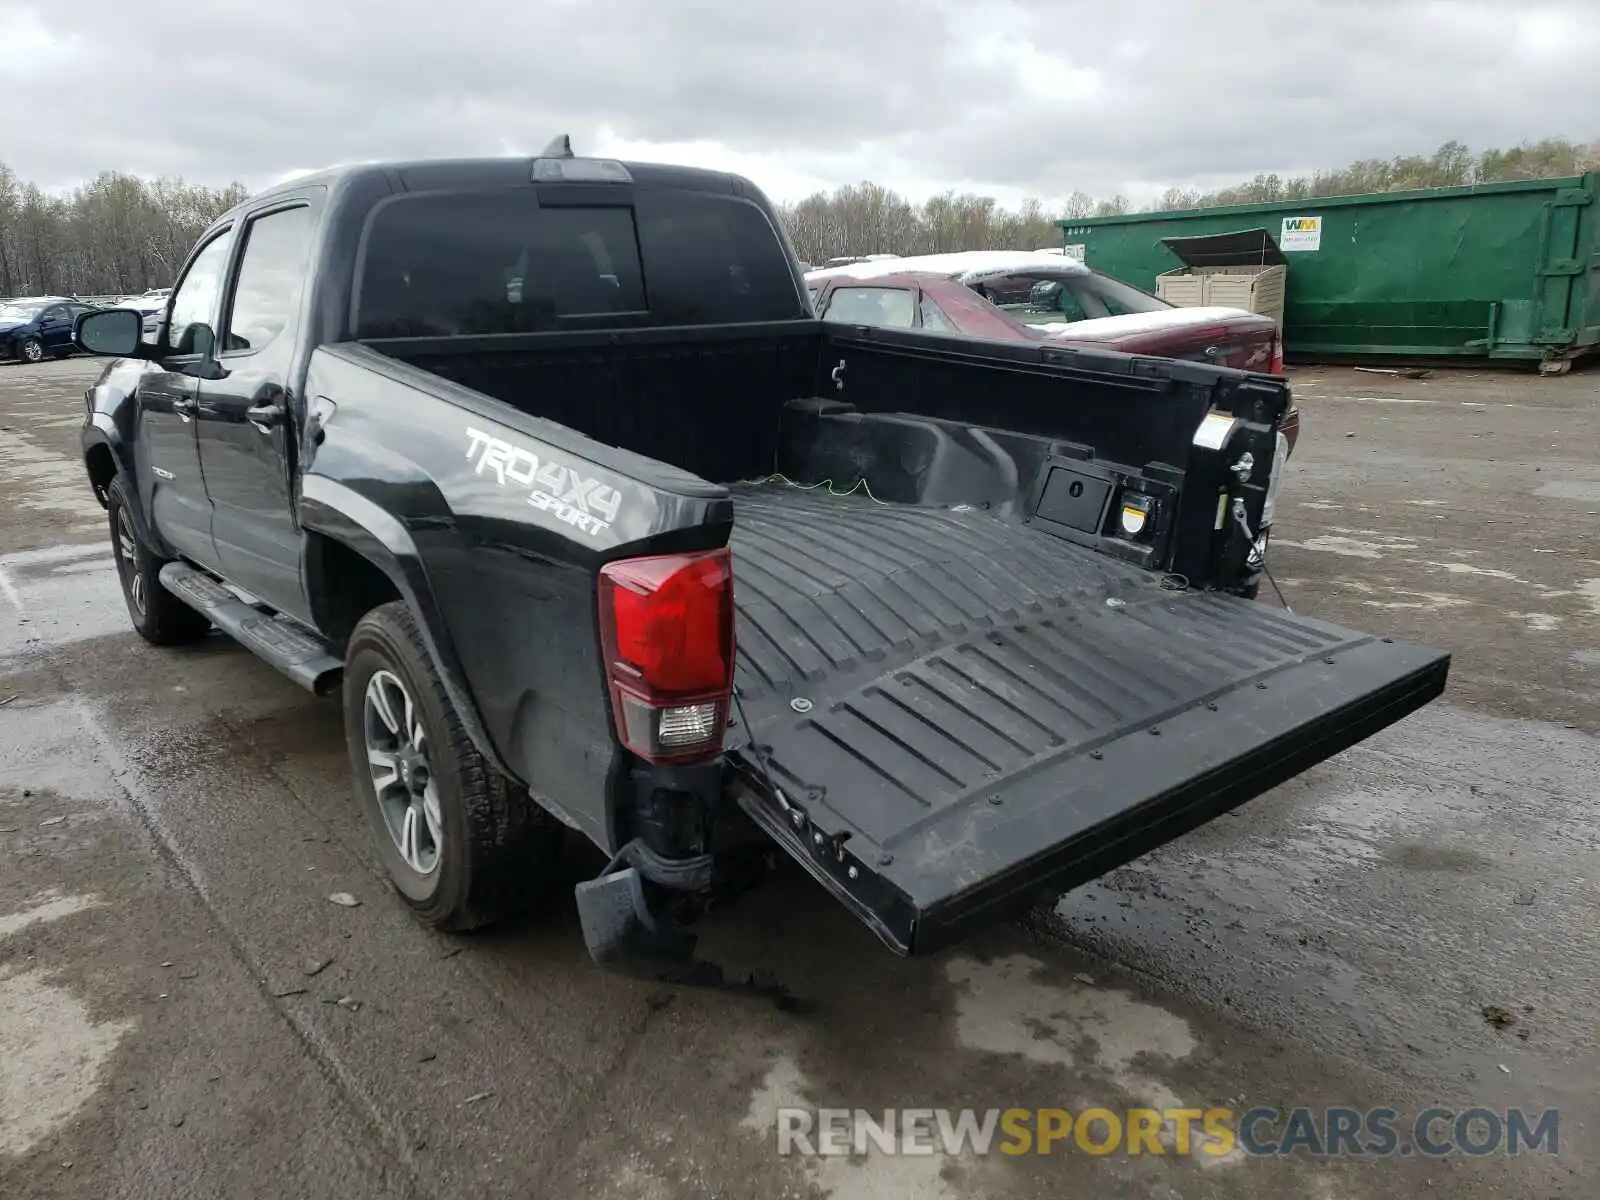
(559, 147)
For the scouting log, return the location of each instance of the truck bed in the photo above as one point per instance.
(966, 711)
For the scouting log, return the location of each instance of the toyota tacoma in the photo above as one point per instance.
(549, 471)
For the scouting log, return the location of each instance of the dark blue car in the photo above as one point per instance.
(34, 328)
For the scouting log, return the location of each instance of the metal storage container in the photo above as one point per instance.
(1505, 270)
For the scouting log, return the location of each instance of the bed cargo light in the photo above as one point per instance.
(666, 629)
(1136, 513)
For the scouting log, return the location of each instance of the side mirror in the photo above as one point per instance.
(109, 331)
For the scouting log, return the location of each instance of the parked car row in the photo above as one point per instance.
(34, 328)
(149, 305)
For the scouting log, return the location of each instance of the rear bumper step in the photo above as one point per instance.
(277, 641)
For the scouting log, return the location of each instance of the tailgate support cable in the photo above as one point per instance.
(1239, 516)
(796, 814)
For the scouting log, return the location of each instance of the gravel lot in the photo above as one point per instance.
(184, 1012)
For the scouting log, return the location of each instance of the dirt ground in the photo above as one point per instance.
(184, 1012)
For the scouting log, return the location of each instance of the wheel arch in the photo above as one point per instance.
(357, 552)
(105, 458)
(101, 464)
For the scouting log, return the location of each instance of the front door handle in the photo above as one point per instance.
(185, 406)
(265, 416)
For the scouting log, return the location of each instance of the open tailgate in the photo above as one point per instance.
(952, 716)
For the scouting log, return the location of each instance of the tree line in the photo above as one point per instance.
(116, 235)
(122, 234)
(869, 219)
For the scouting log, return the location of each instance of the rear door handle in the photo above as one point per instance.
(265, 416)
(184, 406)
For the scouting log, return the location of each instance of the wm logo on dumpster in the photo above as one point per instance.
(1301, 233)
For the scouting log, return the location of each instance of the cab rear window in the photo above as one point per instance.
(443, 265)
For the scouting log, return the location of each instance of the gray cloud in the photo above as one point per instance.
(1028, 96)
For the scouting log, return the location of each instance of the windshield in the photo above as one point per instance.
(20, 312)
(1044, 300)
(446, 265)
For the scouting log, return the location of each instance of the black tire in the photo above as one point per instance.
(498, 850)
(30, 350)
(158, 616)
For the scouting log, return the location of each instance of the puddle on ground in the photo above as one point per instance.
(1584, 490)
(59, 595)
(1589, 589)
(50, 908)
(871, 1176)
(52, 1051)
(1001, 1008)
(1349, 547)
(51, 1055)
(49, 483)
(1007, 1008)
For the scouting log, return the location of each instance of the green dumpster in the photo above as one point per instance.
(1503, 270)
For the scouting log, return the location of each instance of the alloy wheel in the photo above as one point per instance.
(128, 561)
(397, 755)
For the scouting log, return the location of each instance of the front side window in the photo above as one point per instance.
(271, 276)
(881, 307)
(194, 305)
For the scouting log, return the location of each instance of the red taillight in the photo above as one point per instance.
(1277, 355)
(666, 629)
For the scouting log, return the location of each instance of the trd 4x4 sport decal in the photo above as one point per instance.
(583, 503)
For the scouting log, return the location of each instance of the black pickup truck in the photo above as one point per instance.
(549, 467)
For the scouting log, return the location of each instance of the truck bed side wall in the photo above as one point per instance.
(707, 401)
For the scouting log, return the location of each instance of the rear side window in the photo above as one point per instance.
(933, 318)
(496, 262)
(884, 308)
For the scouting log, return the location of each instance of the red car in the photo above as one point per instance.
(1036, 297)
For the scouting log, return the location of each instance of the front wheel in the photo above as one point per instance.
(158, 616)
(31, 351)
(462, 844)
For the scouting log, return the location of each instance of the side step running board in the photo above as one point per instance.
(277, 641)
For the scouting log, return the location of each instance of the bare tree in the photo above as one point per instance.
(113, 235)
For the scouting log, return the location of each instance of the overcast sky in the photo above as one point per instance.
(1030, 97)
